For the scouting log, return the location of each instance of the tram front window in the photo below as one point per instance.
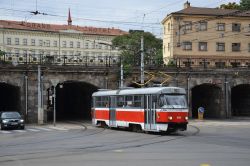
(172, 101)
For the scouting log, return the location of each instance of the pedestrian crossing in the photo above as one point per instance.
(34, 129)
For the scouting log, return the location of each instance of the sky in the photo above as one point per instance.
(123, 14)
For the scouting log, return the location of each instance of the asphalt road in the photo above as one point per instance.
(208, 143)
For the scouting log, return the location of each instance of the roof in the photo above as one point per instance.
(141, 91)
(199, 11)
(21, 25)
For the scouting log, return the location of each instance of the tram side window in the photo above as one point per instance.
(138, 101)
(120, 101)
(129, 101)
(101, 101)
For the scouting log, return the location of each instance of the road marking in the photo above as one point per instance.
(20, 131)
(118, 150)
(205, 164)
(33, 130)
(57, 128)
(5, 132)
(44, 129)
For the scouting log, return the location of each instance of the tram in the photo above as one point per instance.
(155, 109)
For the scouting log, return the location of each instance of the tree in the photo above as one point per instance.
(130, 46)
(245, 4)
(230, 6)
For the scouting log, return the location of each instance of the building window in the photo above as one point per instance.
(86, 45)
(8, 41)
(236, 27)
(78, 45)
(188, 25)
(220, 27)
(16, 41)
(40, 42)
(220, 64)
(187, 45)
(249, 28)
(64, 53)
(203, 26)
(47, 43)
(169, 26)
(248, 47)
(71, 44)
(236, 47)
(17, 52)
(33, 42)
(64, 44)
(168, 46)
(55, 43)
(100, 46)
(78, 53)
(25, 43)
(220, 46)
(202, 46)
(93, 45)
(25, 52)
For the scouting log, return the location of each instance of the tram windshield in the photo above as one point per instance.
(172, 101)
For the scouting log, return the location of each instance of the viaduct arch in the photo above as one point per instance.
(222, 94)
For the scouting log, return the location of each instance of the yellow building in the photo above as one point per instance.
(207, 37)
(27, 42)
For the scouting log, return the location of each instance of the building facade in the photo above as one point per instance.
(207, 37)
(26, 42)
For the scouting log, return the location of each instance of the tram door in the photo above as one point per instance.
(112, 111)
(150, 112)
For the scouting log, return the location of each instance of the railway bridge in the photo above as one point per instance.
(224, 93)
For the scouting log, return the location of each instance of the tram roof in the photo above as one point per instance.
(141, 91)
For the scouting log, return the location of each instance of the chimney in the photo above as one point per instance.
(186, 5)
(69, 18)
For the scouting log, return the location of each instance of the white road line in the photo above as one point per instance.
(5, 132)
(33, 130)
(20, 131)
(44, 129)
(57, 128)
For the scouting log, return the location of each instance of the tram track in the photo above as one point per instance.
(60, 152)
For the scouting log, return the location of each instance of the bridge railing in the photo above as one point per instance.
(111, 61)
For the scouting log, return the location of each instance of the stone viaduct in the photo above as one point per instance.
(224, 93)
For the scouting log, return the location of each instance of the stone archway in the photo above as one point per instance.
(9, 97)
(240, 100)
(208, 96)
(73, 100)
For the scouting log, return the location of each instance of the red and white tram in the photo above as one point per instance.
(156, 109)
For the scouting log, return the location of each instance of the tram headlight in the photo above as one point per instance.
(186, 118)
(170, 118)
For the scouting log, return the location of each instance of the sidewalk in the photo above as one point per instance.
(221, 122)
(62, 125)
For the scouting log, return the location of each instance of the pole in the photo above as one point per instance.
(121, 79)
(54, 112)
(26, 97)
(226, 97)
(142, 60)
(39, 105)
